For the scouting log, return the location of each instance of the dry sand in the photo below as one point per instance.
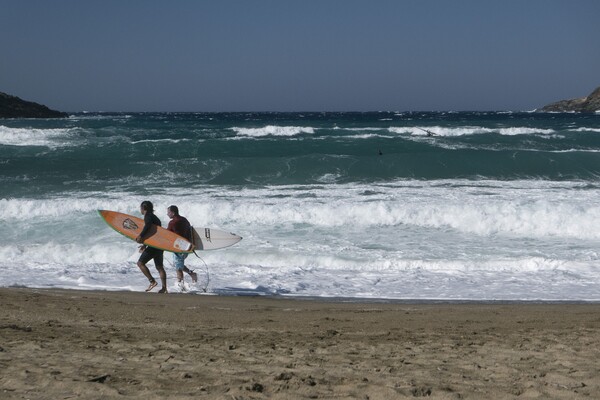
(62, 344)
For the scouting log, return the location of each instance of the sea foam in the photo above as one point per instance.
(34, 137)
(468, 130)
(272, 130)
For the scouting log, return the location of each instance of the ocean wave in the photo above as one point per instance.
(273, 130)
(471, 210)
(35, 137)
(468, 130)
(539, 219)
(168, 140)
(366, 136)
(111, 266)
(584, 129)
(110, 250)
(99, 116)
(407, 239)
(60, 207)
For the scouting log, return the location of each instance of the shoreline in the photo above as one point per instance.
(324, 299)
(62, 343)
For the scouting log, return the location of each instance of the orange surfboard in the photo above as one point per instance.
(158, 237)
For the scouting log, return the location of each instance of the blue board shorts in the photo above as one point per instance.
(178, 260)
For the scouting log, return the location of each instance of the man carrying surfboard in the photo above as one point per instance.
(181, 226)
(151, 253)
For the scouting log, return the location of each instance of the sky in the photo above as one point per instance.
(299, 55)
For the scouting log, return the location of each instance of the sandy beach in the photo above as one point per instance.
(62, 344)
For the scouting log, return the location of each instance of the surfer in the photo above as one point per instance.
(181, 226)
(150, 253)
(429, 133)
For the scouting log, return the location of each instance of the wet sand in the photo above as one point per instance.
(63, 344)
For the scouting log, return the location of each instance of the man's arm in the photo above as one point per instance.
(147, 226)
(171, 226)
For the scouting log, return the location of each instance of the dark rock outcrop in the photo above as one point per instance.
(14, 107)
(587, 104)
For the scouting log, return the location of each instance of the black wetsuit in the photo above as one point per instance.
(150, 253)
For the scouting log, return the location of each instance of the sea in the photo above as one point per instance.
(432, 206)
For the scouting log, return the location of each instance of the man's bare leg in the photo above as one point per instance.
(148, 275)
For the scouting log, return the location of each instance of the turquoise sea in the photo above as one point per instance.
(397, 205)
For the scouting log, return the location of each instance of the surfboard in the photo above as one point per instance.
(212, 239)
(159, 237)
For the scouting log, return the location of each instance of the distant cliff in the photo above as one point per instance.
(587, 104)
(14, 107)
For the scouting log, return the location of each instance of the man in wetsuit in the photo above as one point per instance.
(181, 226)
(150, 253)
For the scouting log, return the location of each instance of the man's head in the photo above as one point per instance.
(172, 211)
(146, 206)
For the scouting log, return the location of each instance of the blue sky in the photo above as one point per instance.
(299, 55)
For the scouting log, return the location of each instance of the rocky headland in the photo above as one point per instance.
(14, 107)
(588, 104)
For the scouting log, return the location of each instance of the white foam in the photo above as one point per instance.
(168, 140)
(585, 129)
(273, 130)
(34, 137)
(408, 239)
(468, 130)
(520, 211)
(57, 207)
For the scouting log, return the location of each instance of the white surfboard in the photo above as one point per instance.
(212, 239)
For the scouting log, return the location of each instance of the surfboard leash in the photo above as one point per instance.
(196, 254)
(207, 271)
